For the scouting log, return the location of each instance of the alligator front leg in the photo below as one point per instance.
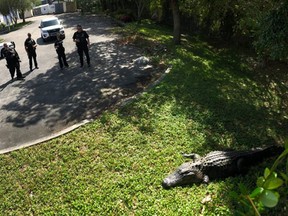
(242, 166)
(201, 177)
(192, 156)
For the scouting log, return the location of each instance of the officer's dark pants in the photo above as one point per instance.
(86, 51)
(15, 66)
(62, 59)
(30, 56)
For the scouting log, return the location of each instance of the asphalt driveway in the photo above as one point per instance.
(50, 102)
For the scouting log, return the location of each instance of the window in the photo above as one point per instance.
(50, 23)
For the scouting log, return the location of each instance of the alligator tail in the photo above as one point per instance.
(270, 151)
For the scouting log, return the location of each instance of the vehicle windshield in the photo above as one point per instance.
(50, 23)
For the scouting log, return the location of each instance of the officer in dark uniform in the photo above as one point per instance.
(13, 61)
(81, 38)
(60, 51)
(30, 47)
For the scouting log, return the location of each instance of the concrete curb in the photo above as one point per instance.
(151, 85)
(43, 139)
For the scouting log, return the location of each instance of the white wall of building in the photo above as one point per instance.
(28, 13)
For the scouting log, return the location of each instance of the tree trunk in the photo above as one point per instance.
(176, 21)
(103, 5)
(23, 16)
(140, 7)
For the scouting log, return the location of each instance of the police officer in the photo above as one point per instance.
(60, 51)
(13, 61)
(30, 47)
(81, 38)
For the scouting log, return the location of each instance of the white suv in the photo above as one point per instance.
(50, 27)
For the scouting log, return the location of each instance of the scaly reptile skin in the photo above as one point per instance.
(216, 165)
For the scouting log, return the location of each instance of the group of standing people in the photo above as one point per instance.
(13, 60)
(80, 37)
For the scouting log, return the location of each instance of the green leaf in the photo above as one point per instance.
(276, 194)
(284, 153)
(273, 183)
(287, 166)
(266, 172)
(257, 191)
(286, 144)
(243, 189)
(273, 175)
(284, 176)
(260, 181)
(269, 198)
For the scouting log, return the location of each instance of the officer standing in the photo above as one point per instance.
(13, 61)
(30, 47)
(81, 38)
(60, 51)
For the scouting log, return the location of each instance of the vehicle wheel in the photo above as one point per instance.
(44, 40)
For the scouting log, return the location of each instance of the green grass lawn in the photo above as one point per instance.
(17, 26)
(211, 100)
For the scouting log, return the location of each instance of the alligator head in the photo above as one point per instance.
(187, 173)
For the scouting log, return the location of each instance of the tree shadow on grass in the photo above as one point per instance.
(216, 90)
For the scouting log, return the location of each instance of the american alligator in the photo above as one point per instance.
(217, 165)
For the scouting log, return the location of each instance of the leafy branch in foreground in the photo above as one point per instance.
(267, 192)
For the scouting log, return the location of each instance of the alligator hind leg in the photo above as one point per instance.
(192, 156)
(206, 179)
(242, 166)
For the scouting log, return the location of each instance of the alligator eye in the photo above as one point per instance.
(190, 173)
(187, 173)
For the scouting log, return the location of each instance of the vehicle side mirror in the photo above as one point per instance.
(39, 27)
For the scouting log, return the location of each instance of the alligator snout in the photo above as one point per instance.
(173, 180)
(166, 184)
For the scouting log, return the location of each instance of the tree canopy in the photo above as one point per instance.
(263, 23)
(11, 8)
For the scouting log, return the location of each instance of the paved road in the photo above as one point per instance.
(49, 101)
